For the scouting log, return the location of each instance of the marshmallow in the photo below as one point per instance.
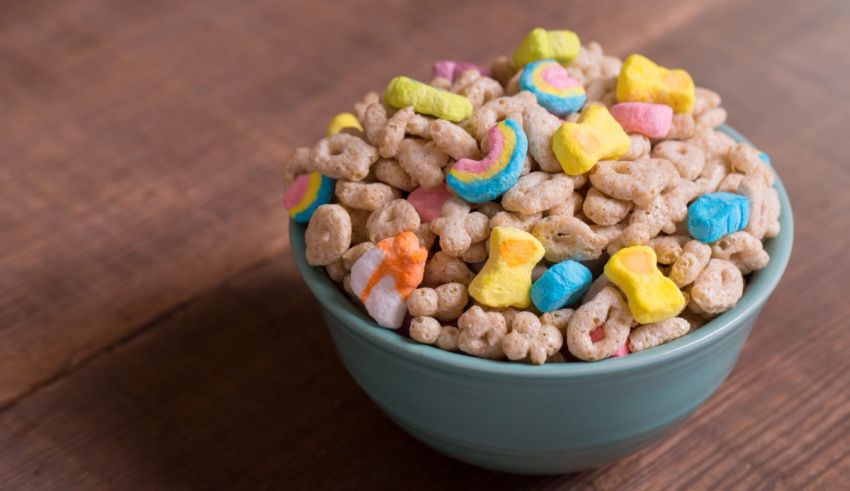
(715, 215)
(540, 44)
(429, 201)
(505, 280)
(555, 90)
(646, 118)
(641, 80)
(402, 92)
(652, 296)
(308, 192)
(596, 136)
(561, 285)
(451, 70)
(342, 121)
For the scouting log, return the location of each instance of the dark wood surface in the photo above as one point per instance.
(154, 333)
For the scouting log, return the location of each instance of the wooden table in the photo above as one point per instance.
(154, 332)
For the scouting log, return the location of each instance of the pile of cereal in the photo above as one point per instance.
(562, 204)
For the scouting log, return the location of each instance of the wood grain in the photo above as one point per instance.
(155, 335)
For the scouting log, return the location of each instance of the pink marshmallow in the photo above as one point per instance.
(429, 201)
(652, 120)
(623, 351)
(451, 70)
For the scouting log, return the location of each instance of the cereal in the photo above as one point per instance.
(342, 121)
(540, 44)
(464, 208)
(641, 80)
(566, 237)
(307, 193)
(389, 171)
(539, 126)
(603, 209)
(459, 228)
(561, 285)
(328, 235)
(422, 161)
(365, 196)
(717, 288)
(537, 192)
(499, 109)
(595, 136)
(531, 340)
(343, 156)
(384, 276)
(480, 333)
(443, 268)
(714, 215)
(453, 140)
(652, 335)
(403, 92)
(478, 181)
(694, 258)
(607, 310)
(652, 296)
(639, 181)
(391, 219)
(743, 250)
(505, 280)
(646, 118)
(554, 89)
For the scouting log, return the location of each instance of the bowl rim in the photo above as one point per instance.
(761, 285)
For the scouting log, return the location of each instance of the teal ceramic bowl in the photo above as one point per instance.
(545, 419)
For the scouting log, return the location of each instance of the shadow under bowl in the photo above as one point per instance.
(548, 419)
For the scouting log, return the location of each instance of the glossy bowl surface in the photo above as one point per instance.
(547, 419)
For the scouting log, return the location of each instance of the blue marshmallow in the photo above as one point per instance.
(764, 157)
(561, 285)
(715, 215)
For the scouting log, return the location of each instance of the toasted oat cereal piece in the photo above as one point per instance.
(536, 192)
(374, 119)
(354, 252)
(558, 318)
(572, 205)
(391, 219)
(426, 236)
(652, 335)
(443, 268)
(764, 207)
(481, 91)
(682, 127)
(712, 175)
(568, 238)
(367, 100)
(343, 156)
(297, 164)
(639, 148)
(514, 220)
(359, 220)
(394, 131)
(453, 140)
(389, 171)
(336, 270)
(451, 300)
(639, 181)
(539, 126)
(365, 196)
(694, 258)
(705, 100)
(328, 235)
(499, 109)
(730, 183)
(711, 118)
(480, 333)
(489, 208)
(603, 209)
(599, 86)
(668, 248)
(688, 159)
(598, 284)
(607, 309)
(717, 288)
(423, 161)
(502, 69)
(746, 159)
(476, 253)
(531, 340)
(423, 302)
(743, 250)
(459, 228)
(425, 329)
(714, 143)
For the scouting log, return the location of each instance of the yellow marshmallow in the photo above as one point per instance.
(596, 136)
(652, 296)
(342, 121)
(641, 80)
(540, 44)
(403, 91)
(505, 280)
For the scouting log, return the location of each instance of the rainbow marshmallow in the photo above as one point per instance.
(308, 192)
(555, 90)
(483, 180)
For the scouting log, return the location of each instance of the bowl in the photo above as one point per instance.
(547, 419)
